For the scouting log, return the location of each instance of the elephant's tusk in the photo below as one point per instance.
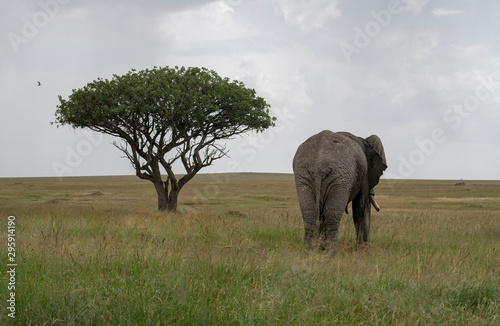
(347, 209)
(374, 203)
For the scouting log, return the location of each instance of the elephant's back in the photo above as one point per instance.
(326, 151)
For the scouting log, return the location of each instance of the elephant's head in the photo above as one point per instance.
(377, 164)
(376, 160)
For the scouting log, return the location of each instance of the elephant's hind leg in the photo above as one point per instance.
(310, 228)
(309, 209)
(331, 225)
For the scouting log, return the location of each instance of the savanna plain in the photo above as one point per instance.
(95, 251)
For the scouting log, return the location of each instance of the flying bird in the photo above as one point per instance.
(39, 84)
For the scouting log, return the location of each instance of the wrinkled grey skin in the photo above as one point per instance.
(331, 170)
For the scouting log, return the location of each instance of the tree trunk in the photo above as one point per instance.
(172, 200)
(166, 201)
(162, 192)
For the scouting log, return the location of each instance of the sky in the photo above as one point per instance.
(422, 75)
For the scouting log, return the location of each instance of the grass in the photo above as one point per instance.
(93, 251)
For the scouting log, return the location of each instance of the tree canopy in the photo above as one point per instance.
(164, 115)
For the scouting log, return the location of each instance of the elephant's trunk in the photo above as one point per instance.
(374, 203)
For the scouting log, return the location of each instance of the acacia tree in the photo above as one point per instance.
(165, 115)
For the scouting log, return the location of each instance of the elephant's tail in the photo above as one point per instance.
(317, 190)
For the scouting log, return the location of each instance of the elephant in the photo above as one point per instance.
(332, 169)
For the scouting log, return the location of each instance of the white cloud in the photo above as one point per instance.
(415, 6)
(440, 12)
(209, 23)
(309, 14)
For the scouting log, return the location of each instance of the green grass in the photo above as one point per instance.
(93, 251)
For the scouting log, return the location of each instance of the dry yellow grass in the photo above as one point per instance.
(95, 250)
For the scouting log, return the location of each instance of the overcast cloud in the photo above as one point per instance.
(422, 75)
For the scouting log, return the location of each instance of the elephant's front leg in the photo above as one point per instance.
(361, 216)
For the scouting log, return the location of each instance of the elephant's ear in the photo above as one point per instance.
(376, 145)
